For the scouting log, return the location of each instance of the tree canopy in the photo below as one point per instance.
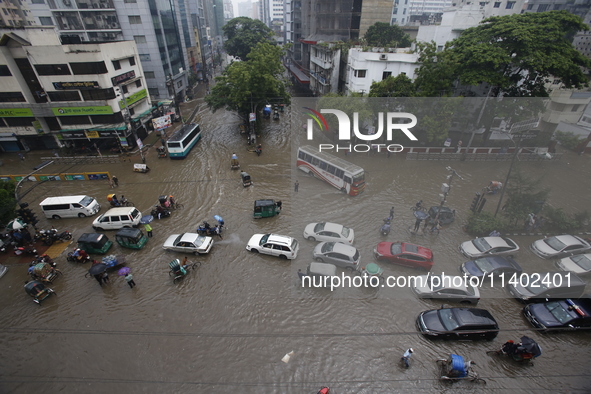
(7, 202)
(243, 34)
(399, 86)
(244, 86)
(382, 34)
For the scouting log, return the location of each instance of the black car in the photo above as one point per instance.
(491, 265)
(446, 216)
(458, 323)
(560, 315)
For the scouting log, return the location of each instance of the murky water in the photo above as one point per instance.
(225, 327)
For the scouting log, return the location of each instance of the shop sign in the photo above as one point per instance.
(78, 111)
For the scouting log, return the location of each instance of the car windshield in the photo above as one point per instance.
(396, 249)
(534, 286)
(86, 201)
(356, 255)
(554, 243)
(294, 245)
(447, 318)
(345, 232)
(483, 265)
(558, 311)
(178, 239)
(481, 244)
(264, 239)
(434, 284)
(327, 247)
(319, 227)
(199, 241)
(582, 261)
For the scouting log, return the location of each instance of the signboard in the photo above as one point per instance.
(134, 98)
(252, 117)
(123, 77)
(79, 85)
(38, 127)
(15, 112)
(92, 134)
(161, 123)
(123, 142)
(77, 111)
(139, 143)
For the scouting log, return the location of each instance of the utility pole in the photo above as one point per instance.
(445, 188)
(508, 175)
(129, 122)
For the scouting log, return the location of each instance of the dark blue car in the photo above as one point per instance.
(560, 315)
(495, 265)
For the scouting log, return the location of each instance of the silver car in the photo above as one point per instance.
(452, 288)
(337, 253)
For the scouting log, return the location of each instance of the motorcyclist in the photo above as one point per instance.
(419, 205)
(115, 202)
(259, 149)
(510, 347)
(123, 200)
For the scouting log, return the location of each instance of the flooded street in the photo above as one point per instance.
(225, 327)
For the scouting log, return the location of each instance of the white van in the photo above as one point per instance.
(69, 207)
(116, 218)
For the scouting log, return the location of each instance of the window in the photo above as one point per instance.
(510, 5)
(149, 74)
(5, 12)
(130, 1)
(132, 61)
(116, 64)
(386, 74)
(115, 118)
(74, 120)
(529, 6)
(543, 7)
(360, 73)
(98, 94)
(131, 112)
(89, 68)
(575, 108)
(497, 4)
(124, 88)
(135, 20)
(52, 69)
(12, 97)
(16, 122)
(37, 1)
(138, 83)
(5, 71)
(45, 21)
(64, 96)
(139, 39)
(179, 84)
(556, 7)
(144, 57)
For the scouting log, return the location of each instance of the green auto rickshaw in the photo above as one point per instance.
(266, 208)
(94, 243)
(132, 238)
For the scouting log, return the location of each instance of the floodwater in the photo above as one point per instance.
(226, 326)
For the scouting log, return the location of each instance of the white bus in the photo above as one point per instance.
(343, 175)
(181, 142)
(69, 207)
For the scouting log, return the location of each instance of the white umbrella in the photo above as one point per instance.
(16, 224)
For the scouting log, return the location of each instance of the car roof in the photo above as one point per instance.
(323, 269)
(280, 239)
(91, 237)
(340, 247)
(500, 261)
(328, 226)
(415, 249)
(496, 241)
(119, 211)
(473, 316)
(188, 237)
(568, 239)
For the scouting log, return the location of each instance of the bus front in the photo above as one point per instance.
(358, 184)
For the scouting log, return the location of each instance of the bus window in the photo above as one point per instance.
(174, 144)
(323, 165)
(308, 158)
(347, 179)
(340, 173)
(315, 161)
(331, 169)
(302, 155)
(359, 178)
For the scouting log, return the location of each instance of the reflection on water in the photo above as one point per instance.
(226, 326)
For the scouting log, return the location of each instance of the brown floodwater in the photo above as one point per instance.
(226, 326)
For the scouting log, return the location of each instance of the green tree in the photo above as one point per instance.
(516, 54)
(399, 86)
(7, 202)
(524, 197)
(243, 34)
(382, 34)
(245, 86)
(435, 77)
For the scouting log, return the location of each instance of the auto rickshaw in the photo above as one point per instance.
(140, 168)
(455, 368)
(446, 216)
(44, 272)
(178, 271)
(37, 290)
(161, 152)
(234, 164)
(118, 202)
(132, 238)
(245, 179)
(94, 243)
(266, 208)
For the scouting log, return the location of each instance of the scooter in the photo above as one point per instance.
(160, 215)
(385, 229)
(22, 250)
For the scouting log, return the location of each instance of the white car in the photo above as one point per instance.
(452, 288)
(488, 246)
(188, 243)
(276, 245)
(329, 232)
(580, 264)
(337, 253)
(559, 246)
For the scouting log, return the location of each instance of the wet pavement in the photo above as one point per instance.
(227, 325)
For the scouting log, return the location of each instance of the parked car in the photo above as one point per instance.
(319, 273)
(404, 253)
(559, 246)
(328, 232)
(274, 244)
(491, 265)
(488, 246)
(337, 253)
(547, 286)
(446, 216)
(560, 315)
(3, 270)
(458, 323)
(444, 287)
(188, 243)
(580, 264)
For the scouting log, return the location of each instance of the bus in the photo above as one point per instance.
(181, 142)
(345, 176)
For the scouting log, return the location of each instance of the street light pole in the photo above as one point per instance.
(446, 187)
(507, 178)
(129, 122)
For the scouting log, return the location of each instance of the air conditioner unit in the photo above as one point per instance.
(383, 56)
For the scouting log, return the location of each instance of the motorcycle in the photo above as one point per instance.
(385, 229)
(22, 250)
(160, 214)
(259, 150)
(78, 256)
(207, 229)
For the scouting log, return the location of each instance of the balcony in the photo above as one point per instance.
(325, 64)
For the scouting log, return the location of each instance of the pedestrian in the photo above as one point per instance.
(148, 229)
(129, 280)
(218, 231)
(417, 225)
(425, 225)
(459, 146)
(436, 227)
(111, 183)
(391, 213)
(115, 181)
(296, 186)
(99, 279)
(106, 277)
(406, 357)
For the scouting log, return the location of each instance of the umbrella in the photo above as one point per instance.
(97, 269)
(421, 215)
(146, 219)
(16, 224)
(123, 271)
(531, 346)
(218, 218)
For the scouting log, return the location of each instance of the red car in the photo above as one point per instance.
(406, 254)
